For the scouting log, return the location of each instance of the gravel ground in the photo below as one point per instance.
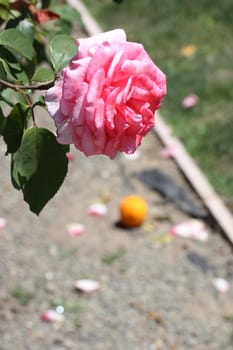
(151, 296)
(156, 291)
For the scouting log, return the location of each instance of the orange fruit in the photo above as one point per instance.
(133, 211)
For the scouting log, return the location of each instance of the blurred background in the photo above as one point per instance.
(191, 41)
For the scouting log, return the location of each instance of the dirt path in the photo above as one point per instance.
(156, 291)
(152, 296)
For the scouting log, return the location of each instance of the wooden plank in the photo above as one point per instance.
(90, 24)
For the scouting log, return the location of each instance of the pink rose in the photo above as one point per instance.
(104, 101)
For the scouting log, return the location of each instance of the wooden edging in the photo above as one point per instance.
(90, 24)
(187, 165)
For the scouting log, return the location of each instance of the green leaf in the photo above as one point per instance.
(4, 9)
(62, 27)
(62, 49)
(4, 3)
(2, 121)
(40, 167)
(11, 97)
(14, 127)
(15, 176)
(40, 102)
(27, 28)
(2, 70)
(9, 70)
(43, 74)
(45, 3)
(14, 70)
(11, 66)
(17, 41)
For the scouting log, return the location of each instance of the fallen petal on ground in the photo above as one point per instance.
(51, 316)
(190, 101)
(86, 285)
(97, 209)
(193, 228)
(132, 156)
(70, 156)
(221, 285)
(2, 223)
(168, 152)
(76, 229)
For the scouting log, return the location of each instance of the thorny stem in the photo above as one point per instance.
(41, 86)
(29, 102)
(27, 98)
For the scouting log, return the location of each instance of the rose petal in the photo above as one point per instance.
(2, 223)
(190, 101)
(88, 46)
(70, 156)
(51, 316)
(76, 229)
(53, 96)
(86, 285)
(132, 156)
(168, 152)
(97, 209)
(194, 229)
(221, 285)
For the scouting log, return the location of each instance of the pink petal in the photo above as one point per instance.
(53, 96)
(86, 285)
(190, 101)
(2, 223)
(135, 67)
(132, 156)
(76, 229)
(97, 209)
(65, 133)
(194, 229)
(73, 76)
(51, 316)
(70, 156)
(89, 45)
(221, 285)
(168, 152)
